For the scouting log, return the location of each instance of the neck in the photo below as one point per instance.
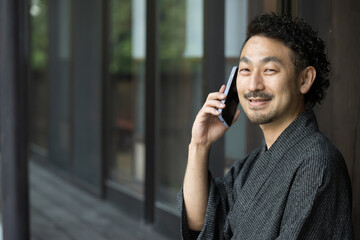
(273, 130)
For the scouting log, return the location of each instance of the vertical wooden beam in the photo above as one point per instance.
(214, 68)
(106, 105)
(14, 118)
(151, 74)
(286, 7)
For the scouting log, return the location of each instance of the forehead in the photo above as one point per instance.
(259, 47)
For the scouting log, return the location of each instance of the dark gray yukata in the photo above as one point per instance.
(297, 189)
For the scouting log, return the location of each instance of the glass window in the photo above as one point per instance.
(235, 33)
(179, 91)
(127, 76)
(60, 84)
(38, 88)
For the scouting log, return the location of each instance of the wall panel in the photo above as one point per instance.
(339, 116)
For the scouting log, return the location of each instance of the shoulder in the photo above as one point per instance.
(320, 151)
(321, 159)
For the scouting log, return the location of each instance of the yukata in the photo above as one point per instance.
(299, 188)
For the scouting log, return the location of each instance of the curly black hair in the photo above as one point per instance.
(308, 48)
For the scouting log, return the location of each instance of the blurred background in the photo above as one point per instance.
(114, 86)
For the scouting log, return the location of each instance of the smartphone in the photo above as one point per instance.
(232, 100)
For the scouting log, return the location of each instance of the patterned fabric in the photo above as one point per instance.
(297, 189)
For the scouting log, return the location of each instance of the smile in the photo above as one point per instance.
(257, 102)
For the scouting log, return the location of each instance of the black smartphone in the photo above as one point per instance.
(232, 100)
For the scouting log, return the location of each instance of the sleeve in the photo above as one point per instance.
(318, 205)
(219, 202)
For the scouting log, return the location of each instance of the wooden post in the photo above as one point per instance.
(214, 69)
(14, 119)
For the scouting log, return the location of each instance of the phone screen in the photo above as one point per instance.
(232, 100)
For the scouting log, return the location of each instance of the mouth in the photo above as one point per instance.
(258, 102)
(258, 99)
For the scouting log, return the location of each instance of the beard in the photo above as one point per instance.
(254, 115)
(259, 118)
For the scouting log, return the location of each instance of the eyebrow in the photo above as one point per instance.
(264, 60)
(271, 59)
(245, 59)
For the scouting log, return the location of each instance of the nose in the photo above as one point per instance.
(256, 82)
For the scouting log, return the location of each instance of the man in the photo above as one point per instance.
(297, 185)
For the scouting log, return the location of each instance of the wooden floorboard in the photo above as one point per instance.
(60, 210)
(43, 228)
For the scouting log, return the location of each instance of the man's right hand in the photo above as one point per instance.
(207, 127)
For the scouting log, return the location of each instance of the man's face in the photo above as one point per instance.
(267, 89)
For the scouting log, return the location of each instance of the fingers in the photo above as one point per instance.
(222, 89)
(213, 102)
(217, 95)
(212, 107)
(211, 110)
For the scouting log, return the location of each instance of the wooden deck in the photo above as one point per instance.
(61, 211)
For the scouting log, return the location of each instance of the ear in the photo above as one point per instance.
(307, 77)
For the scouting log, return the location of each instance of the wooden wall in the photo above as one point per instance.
(337, 22)
(339, 117)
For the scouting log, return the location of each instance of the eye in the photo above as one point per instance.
(244, 70)
(270, 71)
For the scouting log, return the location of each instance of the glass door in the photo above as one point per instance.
(126, 71)
(179, 92)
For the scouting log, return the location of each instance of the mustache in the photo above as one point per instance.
(262, 95)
